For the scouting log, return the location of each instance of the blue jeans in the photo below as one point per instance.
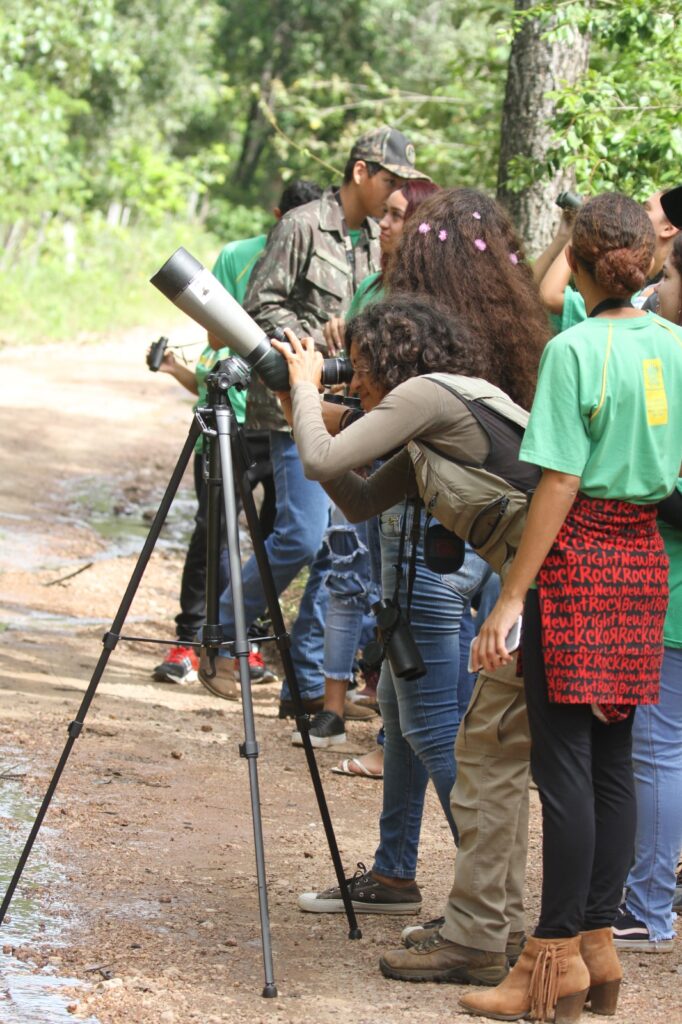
(420, 717)
(657, 760)
(296, 541)
(351, 594)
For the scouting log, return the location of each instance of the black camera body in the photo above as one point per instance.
(569, 201)
(396, 643)
(156, 354)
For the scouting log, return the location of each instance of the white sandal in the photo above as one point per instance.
(364, 773)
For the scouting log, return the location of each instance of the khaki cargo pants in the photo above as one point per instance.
(490, 805)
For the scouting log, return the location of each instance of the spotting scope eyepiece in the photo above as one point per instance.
(194, 290)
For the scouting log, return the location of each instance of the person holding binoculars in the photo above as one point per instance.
(484, 321)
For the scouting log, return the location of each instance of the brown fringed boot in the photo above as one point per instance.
(549, 983)
(599, 953)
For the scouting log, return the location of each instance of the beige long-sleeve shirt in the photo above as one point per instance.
(418, 408)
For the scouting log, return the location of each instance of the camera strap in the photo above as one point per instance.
(415, 533)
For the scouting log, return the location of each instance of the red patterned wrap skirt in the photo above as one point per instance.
(603, 592)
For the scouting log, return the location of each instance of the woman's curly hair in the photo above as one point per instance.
(462, 250)
(407, 336)
(613, 239)
(676, 260)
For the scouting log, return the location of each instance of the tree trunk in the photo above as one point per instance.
(537, 66)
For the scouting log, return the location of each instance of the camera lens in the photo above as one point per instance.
(337, 370)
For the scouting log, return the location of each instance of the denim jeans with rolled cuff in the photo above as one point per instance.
(301, 518)
(420, 717)
(351, 595)
(657, 760)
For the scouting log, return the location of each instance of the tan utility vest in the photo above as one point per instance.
(484, 503)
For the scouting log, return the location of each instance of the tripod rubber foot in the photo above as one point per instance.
(270, 991)
(355, 933)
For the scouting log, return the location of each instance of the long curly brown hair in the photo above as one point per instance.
(614, 240)
(461, 249)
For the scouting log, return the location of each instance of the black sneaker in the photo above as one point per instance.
(629, 933)
(311, 706)
(368, 896)
(325, 730)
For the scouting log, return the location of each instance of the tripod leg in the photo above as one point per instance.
(109, 642)
(249, 749)
(283, 644)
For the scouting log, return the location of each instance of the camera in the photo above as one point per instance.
(569, 201)
(337, 370)
(194, 290)
(156, 353)
(396, 643)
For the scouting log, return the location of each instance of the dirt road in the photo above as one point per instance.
(144, 874)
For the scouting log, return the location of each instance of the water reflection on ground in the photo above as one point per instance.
(26, 997)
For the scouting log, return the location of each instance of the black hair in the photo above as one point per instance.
(372, 169)
(297, 193)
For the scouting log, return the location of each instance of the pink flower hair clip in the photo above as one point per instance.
(480, 244)
(513, 257)
(476, 215)
(442, 235)
(424, 228)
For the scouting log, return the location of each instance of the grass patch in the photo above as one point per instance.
(102, 287)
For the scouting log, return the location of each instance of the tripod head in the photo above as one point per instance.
(229, 373)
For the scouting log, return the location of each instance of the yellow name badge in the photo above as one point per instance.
(654, 392)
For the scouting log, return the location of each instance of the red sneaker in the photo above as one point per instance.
(180, 666)
(260, 673)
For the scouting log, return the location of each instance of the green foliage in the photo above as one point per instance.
(619, 127)
(96, 96)
(104, 288)
(309, 78)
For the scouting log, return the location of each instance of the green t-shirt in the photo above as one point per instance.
(607, 408)
(672, 631)
(233, 269)
(235, 263)
(573, 311)
(367, 291)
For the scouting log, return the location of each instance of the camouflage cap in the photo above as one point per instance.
(671, 202)
(389, 148)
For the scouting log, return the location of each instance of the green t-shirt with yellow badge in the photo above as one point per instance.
(607, 408)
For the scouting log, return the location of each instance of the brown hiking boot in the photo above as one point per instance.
(438, 959)
(220, 681)
(414, 934)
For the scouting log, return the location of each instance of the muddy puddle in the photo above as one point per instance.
(120, 514)
(27, 996)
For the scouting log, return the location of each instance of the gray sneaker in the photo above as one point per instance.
(368, 896)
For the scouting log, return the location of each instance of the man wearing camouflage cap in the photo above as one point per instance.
(314, 259)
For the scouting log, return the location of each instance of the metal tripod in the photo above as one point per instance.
(227, 450)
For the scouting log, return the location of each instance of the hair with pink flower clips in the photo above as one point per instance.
(478, 281)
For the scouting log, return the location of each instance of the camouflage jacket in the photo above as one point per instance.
(302, 280)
